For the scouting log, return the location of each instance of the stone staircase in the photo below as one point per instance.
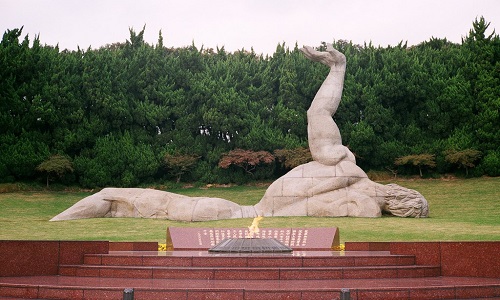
(203, 275)
(313, 265)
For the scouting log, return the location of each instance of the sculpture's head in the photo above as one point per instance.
(404, 202)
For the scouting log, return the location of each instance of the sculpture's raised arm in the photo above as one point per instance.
(324, 137)
(332, 57)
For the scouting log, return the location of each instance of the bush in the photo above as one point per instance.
(55, 166)
(464, 159)
(418, 160)
(491, 163)
(116, 161)
(5, 175)
(24, 155)
(8, 187)
(203, 172)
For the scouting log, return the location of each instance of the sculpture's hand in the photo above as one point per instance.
(332, 57)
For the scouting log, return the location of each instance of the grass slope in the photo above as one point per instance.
(460, 209)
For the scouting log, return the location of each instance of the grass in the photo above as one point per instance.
(460, 210)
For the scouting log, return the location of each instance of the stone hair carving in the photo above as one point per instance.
(403, 202)
(332, 185)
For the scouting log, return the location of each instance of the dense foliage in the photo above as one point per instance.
(117, 111)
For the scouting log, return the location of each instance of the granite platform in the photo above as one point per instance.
(103, 270)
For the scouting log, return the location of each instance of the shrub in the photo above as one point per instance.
(116, 161)
(419, 160)
(55, 166)
(248, 160)
(491, 163)
(179, 164)
(464, 159)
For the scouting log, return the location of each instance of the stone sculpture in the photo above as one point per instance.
(332, 185)
(150, 203)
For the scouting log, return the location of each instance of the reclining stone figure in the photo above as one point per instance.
(331, 185)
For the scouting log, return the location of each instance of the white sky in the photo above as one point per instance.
(238, 24)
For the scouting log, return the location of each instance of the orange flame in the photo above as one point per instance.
(254, 228)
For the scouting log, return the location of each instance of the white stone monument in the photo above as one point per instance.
(332, 185)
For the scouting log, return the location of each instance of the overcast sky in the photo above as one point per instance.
(238, 24)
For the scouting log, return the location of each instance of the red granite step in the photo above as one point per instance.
(222, 266)
(249, 273)
(204, 259)
(204, 265)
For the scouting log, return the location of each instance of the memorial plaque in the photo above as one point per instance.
(183, 238)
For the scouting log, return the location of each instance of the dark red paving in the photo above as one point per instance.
(421, 288)
(72, 281)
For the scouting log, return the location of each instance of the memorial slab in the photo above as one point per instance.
(186, 238)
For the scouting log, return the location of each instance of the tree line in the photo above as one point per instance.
(133, 113)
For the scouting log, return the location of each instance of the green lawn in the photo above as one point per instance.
(460, 209)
